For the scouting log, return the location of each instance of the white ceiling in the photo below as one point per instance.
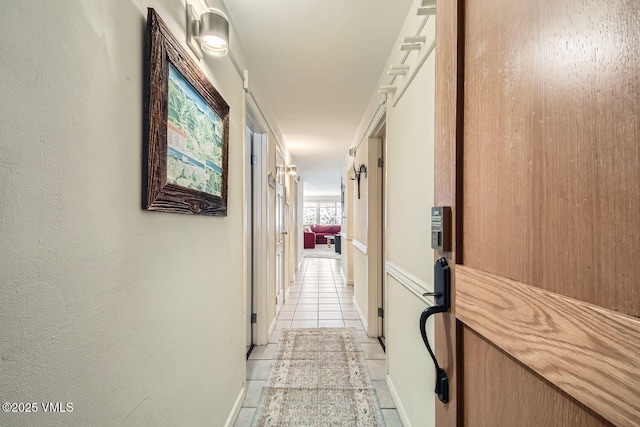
(317, 63)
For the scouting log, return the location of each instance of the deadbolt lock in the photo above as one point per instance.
(441, 228)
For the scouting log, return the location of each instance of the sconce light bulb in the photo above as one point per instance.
(214, 45)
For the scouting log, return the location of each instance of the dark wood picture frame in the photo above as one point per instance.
(162, 52)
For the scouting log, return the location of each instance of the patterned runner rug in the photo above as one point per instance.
(319, 379)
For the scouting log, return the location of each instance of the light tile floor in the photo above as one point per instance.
(319, 298)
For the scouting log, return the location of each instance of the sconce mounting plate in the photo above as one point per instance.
(192, 42)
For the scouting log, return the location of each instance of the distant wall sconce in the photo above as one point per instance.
(357, 173)
(207, 32)
(386, 89)
(398, 70)
(292, 170)
(428, 8)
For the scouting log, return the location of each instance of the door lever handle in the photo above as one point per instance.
(442, 294)
(432, 294)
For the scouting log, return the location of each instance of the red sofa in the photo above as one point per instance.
(318, 233)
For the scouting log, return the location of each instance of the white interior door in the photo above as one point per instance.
(249, 240)
(280, 232)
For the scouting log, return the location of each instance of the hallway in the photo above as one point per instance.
(318, 298)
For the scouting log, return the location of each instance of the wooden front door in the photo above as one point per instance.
(538, 153)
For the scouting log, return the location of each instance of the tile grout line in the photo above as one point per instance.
(316, 278)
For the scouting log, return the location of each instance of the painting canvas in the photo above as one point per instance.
(186, 131)
(194, 139)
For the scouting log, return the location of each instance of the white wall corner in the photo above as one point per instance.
(272, 327)
(344, 277)
(237, 406)
(362, 316)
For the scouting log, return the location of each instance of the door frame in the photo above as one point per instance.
(375, 255)
(280, 223)
(259, 225)
(377, 234)
(249, 327)
(448, 185)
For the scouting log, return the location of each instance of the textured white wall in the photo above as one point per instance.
(134, 317)
(410, 190)
(347, 225)
(411, 371)
(360, 234)
(409, 167)
(410, 176)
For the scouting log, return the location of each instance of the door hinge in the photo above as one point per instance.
(254, 159)
(380, 162)
(381, 312)
(254, 317)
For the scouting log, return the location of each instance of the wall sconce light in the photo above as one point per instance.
(292, 170)
(357, 173)
(207, 32)
(428, 8)
(398, 70)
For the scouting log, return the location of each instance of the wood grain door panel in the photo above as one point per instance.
(551, 146)
(538, 153)
(589, 352)
(500, 392)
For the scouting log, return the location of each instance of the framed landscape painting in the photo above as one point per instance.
(186, 131)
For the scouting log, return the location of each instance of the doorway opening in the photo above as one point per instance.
(249, 220)
(377, 160)
(256, 240)
(281, 217)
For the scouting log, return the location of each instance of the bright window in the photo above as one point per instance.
(328, 213)
(309, 215)
(321, 212)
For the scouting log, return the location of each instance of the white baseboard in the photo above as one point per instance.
(363, 319)
(235, 411)
(272, 326)
(399, 407)
(344, 278)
